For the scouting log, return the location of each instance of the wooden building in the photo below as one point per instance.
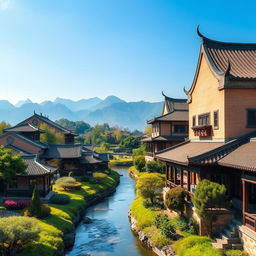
(168, 129)
(222, 130)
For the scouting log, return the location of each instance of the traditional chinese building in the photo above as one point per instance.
(168, 129)
(44, 160)
(222, 130)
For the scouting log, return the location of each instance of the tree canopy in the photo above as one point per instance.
(3, 125)
(51, 136)
(80, 126)
(10, 165)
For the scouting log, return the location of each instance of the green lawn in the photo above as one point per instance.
(60, 220)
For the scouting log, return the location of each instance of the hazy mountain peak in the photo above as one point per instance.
(22, 102)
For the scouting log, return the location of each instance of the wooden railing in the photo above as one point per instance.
(250, 220)
(170, 184)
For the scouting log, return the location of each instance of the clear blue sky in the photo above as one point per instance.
(133, 49)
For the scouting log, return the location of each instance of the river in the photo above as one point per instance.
(109, 233)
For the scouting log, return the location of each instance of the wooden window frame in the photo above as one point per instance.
(204, 114)
(247, 119)
(216, 127)
(193, 120)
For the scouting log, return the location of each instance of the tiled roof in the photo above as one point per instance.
(63, 151)
(244, 157)
(89, 159)
(37, 168)
(182, 152)
(173, 104)
(164, 138)
(176, 115)
(17, 151)
(23, 128)
(237, 60)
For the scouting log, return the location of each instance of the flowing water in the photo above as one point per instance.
(109, 233)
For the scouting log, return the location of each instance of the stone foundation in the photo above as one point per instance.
(248, 238)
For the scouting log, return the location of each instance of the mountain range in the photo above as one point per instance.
(111, 110)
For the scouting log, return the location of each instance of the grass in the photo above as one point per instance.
(121, 161)
(135, 171)
(60, 221)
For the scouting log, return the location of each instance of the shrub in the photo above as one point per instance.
(175, 199)
(16, 204)
(202, 250)
(163, 223)
(37, 209)
(148, 185)
(156, 236)
(86, 178)
(17, 232)
(59, 199)
(66, 183)
(139, 162)
(235, 253)
(181, 246)
(155, 166)
(77, 186)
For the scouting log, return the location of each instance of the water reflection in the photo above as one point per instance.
(109, 233)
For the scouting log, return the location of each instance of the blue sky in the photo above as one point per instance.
(133, 49)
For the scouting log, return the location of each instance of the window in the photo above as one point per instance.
(180, 128)
(216, 119)
(251, 117)
(204, 119)
(194, 121)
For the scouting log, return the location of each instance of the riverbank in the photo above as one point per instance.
(121, 162)
(58, 230)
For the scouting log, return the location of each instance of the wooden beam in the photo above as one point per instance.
(188, 178)
(181, 177)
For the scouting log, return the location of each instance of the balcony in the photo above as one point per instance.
(202, 130)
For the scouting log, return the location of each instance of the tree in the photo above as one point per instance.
(149, 184)
(16, 232)
(82, 127)
(175, 199)
(50, 136)
(209, 196)
(130, 142)
(148, 129)
(155, 166)
(10, 165)
(3, 125)
(141, 151)
(139, 163)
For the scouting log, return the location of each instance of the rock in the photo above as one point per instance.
(69, 240)
(87, 220)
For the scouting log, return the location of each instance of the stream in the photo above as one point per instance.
(109, 233)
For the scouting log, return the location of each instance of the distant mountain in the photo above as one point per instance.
(107, 102)
(80, 104)
(112, 110)
(22, 102)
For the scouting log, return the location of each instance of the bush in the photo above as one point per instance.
(163, 223)
(16, 204)
(181, 246)
(99, 175)
(235, 253)
(17, 232)
(149, 184)
(157, 237)
(139, 162)
(59, 199)
(44, 212)
(155, 166)
(77, 186)
(202, 250)
(175, 199)
(67, 183)
(85, 178)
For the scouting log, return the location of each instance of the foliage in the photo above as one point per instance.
(148, 130)
(17, 232)
(202, 250)
(50, 136)
(3, 125)
(155, 166)
(182, 245)
(130, 143)
(59, 199)
(139, 163)
(185, 224)
(36, 208)
(156, 236)
(148, 185)
(144, 217)
(99, 175)
(163, 223)
(10, 165)
(66, 183)
(141, 151)
(235, 253)
(16, 204)
(175, 199)
(79, 126)
(209, 195)
(70, 174)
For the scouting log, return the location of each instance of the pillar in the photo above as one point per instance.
(181, 177)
